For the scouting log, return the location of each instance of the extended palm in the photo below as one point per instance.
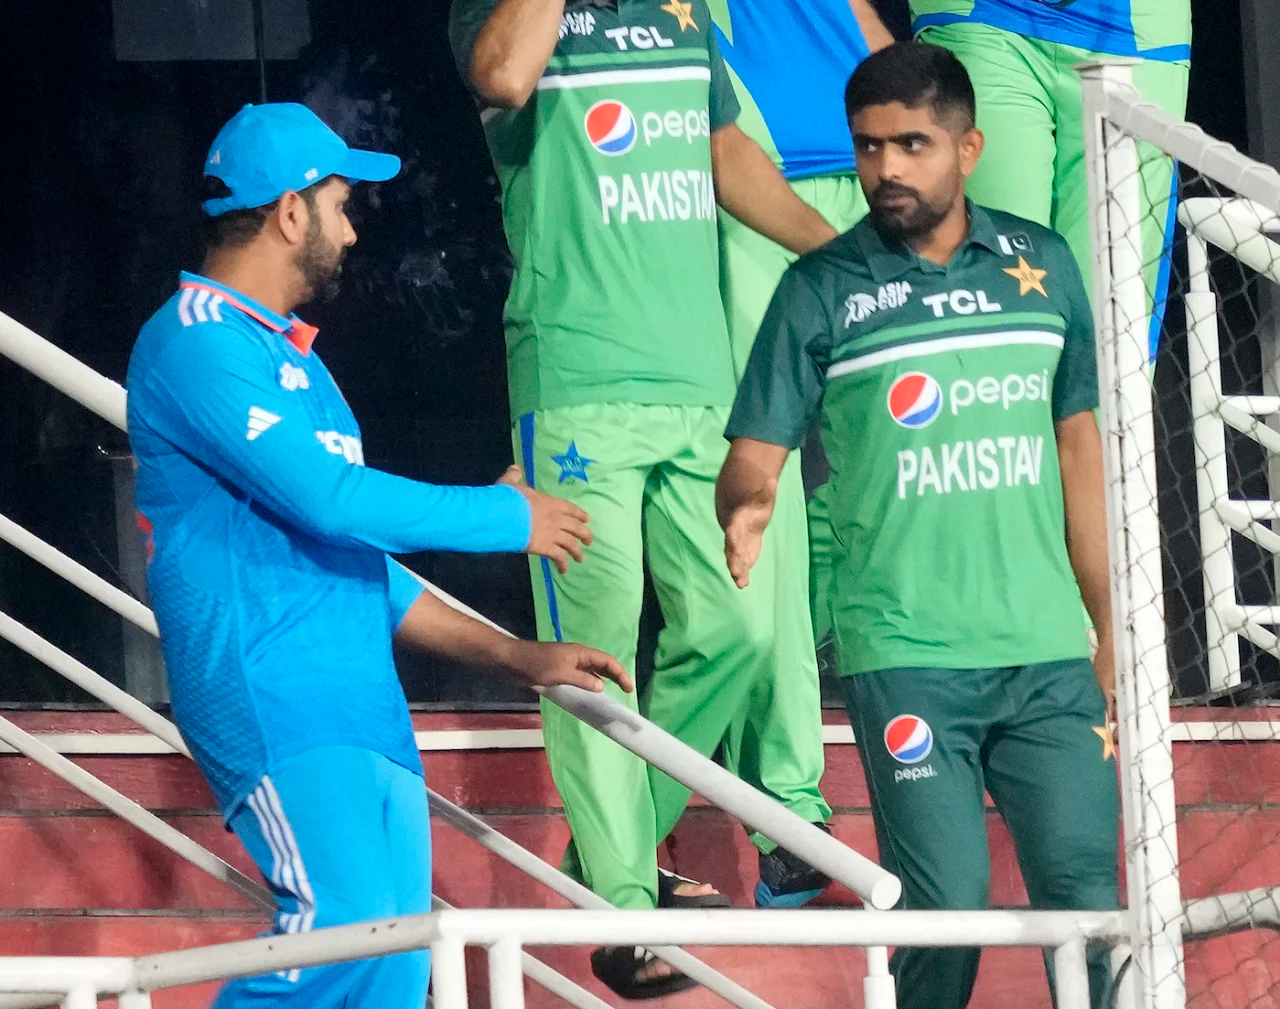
(745, 531)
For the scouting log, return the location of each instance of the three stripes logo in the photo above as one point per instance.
(199, 305)
(260, 420)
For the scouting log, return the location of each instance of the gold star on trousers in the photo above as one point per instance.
(1108, 742)
(1028, 277)
(682, 12)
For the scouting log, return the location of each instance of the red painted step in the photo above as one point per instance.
(101, 887)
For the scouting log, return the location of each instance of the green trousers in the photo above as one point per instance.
(1030, 110)
(930, 741)
(646, 476)
(773, 726)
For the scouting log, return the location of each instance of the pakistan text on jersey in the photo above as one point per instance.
(971, 465)
(667, 196)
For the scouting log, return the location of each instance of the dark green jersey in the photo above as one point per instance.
(939, 388)
(610, 209)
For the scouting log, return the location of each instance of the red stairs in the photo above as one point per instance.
(78, 881)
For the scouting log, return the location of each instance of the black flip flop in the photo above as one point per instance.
(617, 967)
(668, 898)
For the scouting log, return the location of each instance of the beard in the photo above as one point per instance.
(320, 263)
(912, 218)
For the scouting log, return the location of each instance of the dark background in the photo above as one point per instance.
(99, 183)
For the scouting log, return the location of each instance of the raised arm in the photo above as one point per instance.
(502, 48)
(750, 187)
(873, 29)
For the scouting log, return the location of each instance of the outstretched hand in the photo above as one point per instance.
(553, 664)
(744, 531)
(557, 529)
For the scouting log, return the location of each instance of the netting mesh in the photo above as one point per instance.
(1200, 748)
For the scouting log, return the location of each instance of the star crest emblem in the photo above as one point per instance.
(682, 12)
(573, 465)
(1028, 277)
(1108, 742)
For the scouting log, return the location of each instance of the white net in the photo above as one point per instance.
(1193, 453)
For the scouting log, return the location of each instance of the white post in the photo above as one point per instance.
(1125, 996)
(506, 977)
(1133, 526)
(82, 996)
(1071, 976)
(448, 974)
(1210, 436)
(135, 999)
(878, 990)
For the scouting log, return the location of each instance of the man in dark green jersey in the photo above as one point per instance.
(612, 131)
(950, 349)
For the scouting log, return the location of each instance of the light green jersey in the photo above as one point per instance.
(1151, 29)
(610, 209)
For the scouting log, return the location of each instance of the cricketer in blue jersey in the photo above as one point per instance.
(268, 543)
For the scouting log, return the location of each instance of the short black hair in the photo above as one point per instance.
(237, 228)
(915, 74)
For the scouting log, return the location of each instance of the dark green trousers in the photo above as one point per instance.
(930, 741)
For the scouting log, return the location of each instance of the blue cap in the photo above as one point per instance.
(266, 151)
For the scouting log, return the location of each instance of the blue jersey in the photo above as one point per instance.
(794, 58)
(1151, 29)
(268, 540)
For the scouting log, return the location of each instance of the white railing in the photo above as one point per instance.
(1126, 408)
(877, 887)
(1117, 120)
(78, 982)
(1237, 226)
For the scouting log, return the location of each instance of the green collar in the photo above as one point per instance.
(889, 260)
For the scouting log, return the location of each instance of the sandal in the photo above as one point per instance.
(668, 898)
(617, 967)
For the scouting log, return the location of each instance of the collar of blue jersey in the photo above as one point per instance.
(889, 261)
(292, 329)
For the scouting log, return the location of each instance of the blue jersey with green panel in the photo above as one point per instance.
(791, 61)
(1151, 29)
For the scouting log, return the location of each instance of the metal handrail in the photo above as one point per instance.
(574, 892)
(871, 882)
(108, 400)
(78, 575)
(142, 818)
(202, 858)
(550, 978)
(505, 931)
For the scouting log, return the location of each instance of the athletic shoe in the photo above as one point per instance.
(788, 881)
